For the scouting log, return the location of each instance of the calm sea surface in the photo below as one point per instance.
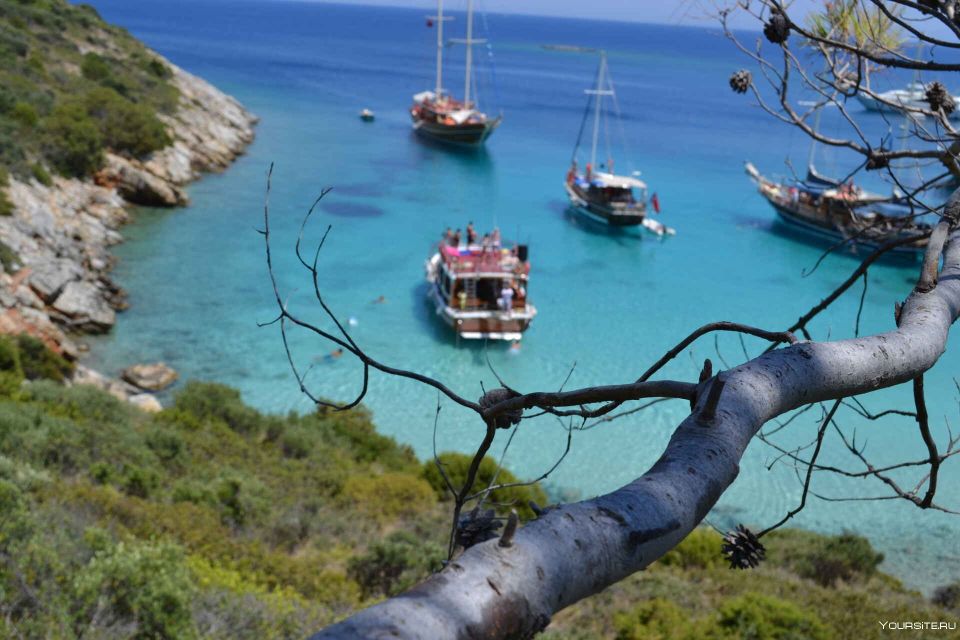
(611, 303)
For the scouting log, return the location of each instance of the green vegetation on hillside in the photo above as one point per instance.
(73, 86)
(213, 520)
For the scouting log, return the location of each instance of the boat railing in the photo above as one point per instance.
(480, 260)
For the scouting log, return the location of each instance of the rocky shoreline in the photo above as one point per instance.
(55, 256)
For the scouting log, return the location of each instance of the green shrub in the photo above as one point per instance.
(25, 114)
(699, 550)
(157, 68)
(388, 496)
(839, 558)
(754, 616)
(208, 401)
(166, 445)
(125, 126)
(6, 209)
(241, 499)
(145, 584)
(457, 465)
(395, 564)
(72, 140)
(138, 482)
(8, 257)
(948, 596)
(41, 174)
(10, 356)
(296, 443)
(95, 68)
(39, 362)
(656, 619)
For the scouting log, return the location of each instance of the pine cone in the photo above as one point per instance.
(740, 81)
(495, 396)
(939, 98)
(475, 527)
(776, 28)
(743, 548)
(875, 162)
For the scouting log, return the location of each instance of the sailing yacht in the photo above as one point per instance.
(898, 101)
(437, 114)
(836, 211)
(597, 192)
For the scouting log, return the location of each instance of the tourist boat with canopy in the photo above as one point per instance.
(437, 114)
(598, 192)
(481, 290)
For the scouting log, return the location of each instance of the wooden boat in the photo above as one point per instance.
(602, 195)
(480, 291)
(438, 115)
(833, 211)
(366, 115)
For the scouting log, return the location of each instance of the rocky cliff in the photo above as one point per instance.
(55, 247)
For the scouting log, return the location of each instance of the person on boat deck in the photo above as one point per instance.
(486, 244)
(455, 241)
(448, 236)
(471, 234)
(495, 238)
(572, 172)
(506, 297)
(588, 172)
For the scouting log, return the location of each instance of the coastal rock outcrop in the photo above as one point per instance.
(54, 248)
(151, 377)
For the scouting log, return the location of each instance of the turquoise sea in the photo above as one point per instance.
(609, 302)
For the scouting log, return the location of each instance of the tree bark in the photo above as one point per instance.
(576, 550)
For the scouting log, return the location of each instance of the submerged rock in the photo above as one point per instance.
(152, 377)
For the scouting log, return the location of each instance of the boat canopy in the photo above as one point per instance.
(611, 181)
(461, 115)
(424, 96)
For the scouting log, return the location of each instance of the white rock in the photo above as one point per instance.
(146, 402)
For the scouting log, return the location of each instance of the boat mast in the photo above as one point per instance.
(469, 44)
(599, 92)
(439, 89)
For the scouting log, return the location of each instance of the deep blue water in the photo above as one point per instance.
(611, 303)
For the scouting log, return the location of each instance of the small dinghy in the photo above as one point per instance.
(366, 115)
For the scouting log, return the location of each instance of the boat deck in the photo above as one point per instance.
(477, 260)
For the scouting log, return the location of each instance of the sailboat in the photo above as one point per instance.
(597, 192)
(437, 114)
(833, 210)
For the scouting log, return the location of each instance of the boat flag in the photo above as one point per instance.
(655, 202)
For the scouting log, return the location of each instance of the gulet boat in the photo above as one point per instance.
(481, 290)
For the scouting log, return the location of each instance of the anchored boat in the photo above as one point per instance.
(438, 115)
(481, 291)
(899, 101)
(838, 211)
(598, 192)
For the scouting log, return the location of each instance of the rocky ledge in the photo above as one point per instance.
(54, 250)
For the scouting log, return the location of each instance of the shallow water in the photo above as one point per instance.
(609, 302)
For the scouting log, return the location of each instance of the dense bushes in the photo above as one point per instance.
(456, 466)
(64, 108)
(393, 565)
(79, 129)
(846, 557)
(25, 357)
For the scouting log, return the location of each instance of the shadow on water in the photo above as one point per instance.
(470, 156)
(623, 235)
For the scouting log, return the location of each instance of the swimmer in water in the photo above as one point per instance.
(515, 346)
(380, 300)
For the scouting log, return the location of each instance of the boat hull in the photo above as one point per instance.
(605, 214)
(482, 325)
(811, 229)
(469, 134)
